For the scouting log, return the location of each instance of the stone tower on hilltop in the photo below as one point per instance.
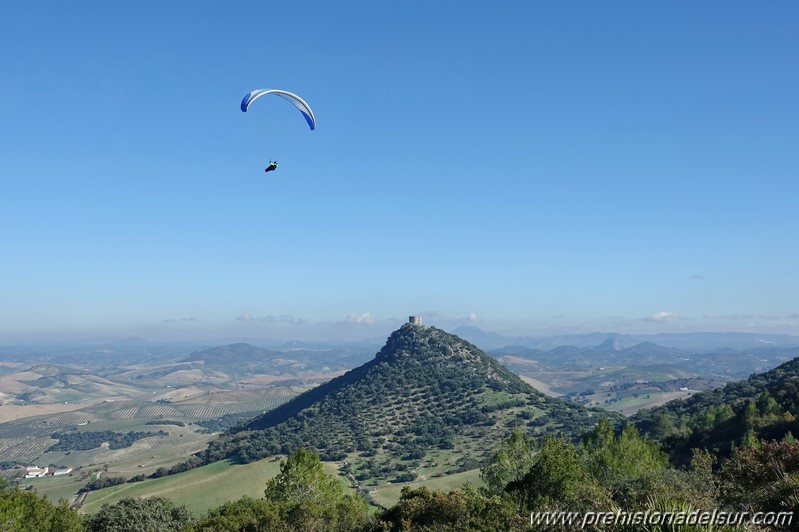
(415, 320)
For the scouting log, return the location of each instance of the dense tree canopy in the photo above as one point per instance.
(607, 471)
(24, 511)
(767, 404)
(154, 514)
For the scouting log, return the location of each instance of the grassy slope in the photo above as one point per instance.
(630, 405)
(56, 488)
(199, 489)
(210, 486)
(389, 494)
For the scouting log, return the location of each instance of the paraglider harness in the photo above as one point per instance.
(272, 166)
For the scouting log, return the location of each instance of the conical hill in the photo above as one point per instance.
(427, 400)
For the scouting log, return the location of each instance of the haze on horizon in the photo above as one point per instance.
(533, 169)
(368, 328)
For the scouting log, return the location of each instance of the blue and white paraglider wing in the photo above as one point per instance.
(298, 102)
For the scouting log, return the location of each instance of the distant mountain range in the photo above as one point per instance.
(243, 359)
(135, 349)
(609, 352)
(715, 356)
(696, 342)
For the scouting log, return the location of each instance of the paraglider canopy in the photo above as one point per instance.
(298, 102)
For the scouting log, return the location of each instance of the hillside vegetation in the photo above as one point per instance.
(428, 403)
(621, 475)
(765, 405)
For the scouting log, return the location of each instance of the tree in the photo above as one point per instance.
(662, 426)
(65, 519)
(768, 406)
(628, 455)
(751, 415)
(308, 498)
(763, 477)
(154, 514)
(246, 513)
(424, 509)
(25, 511)
(750, 440)
(511, 461)
(628, 465)
(557, 479)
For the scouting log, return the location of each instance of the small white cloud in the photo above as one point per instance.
(365, 317)
(469, 318)
(663, 316)
(245, 317)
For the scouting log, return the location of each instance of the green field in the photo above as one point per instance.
(210, 486)
(389, 494)
(199, 489)
(631, 404)
(56, 488)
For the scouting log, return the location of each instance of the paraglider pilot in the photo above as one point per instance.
(272, 166)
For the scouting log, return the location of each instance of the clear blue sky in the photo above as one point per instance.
(532, 166)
